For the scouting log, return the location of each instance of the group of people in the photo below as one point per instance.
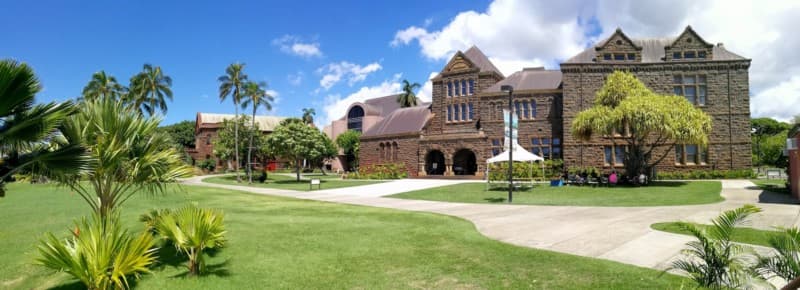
(611, 179)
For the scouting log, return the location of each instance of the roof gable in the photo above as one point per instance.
(690, 38)
(459, 62)
(617, 40)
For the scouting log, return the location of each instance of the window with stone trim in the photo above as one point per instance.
(464, 112)
(526, 111)
(382, 152)
(497, 147)
(692, 87)
(546, 147)
(690, 154)
(456, 113)
(471, 86)
(460, 112)
(449, 113)
(471, 112)
(463, 87)
(614, 155)
(394, 151)
(449, 88)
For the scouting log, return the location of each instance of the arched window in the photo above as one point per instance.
(499, 111)
(533, 108)
(394, 151)
(455, 112)
(456, 85)
(525, 110)
(464, 112)
(463, 87)
(355, 118)
(449, 88)
(208, 139)
(471, 86)
(383, 152)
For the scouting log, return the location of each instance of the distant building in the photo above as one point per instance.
(206, 130)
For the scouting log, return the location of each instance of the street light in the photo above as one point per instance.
(510, 90)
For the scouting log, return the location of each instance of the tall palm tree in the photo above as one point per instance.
(308, 115)
(255, 94)
(149, 89)
(103, 85)
(29, 134)
(232, 83)
(408, 98)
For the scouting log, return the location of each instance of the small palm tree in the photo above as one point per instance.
(103, 85)
(786, 262)
(408, 98)
(232, 83)
(193, 230)
(308, 115)
(255, 94)
(149, 89)
(714, 261)
(129, 155)
(100, 253)
(29, 134)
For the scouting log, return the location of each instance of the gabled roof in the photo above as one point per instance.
(380, 106)
(536, 78)
(619, 32)
(209, 120)
(480, 60)
(687, 31)
(405, 120)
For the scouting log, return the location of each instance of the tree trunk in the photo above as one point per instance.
(794, 284)
(297, 167)
(236, 138)
(250, 149)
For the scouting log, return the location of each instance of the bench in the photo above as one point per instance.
(313, 182)
(772, 173)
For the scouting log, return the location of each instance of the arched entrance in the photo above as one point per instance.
(464, 162)
(434, 163)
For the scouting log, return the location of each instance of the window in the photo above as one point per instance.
(526, 110)
(496, 147)
(516, 108)
(457, 86)
(535, 141)
(383, 152)
(471, 86)
(464, 112)
(676, 55)
(449, 89)
(545, 141)
(463, 87)
(449, 113)
(354, 118)
(546, 152)
(471, 112)
(619, 56)
(556, 152)
(690, 154)
(688, 54)
(701, 54)
(455, 113)
(607, 56)
(533, 109)
(692, 87)
(544, 148)
(556, 141)
(631, 56)
(394, 151)
(614, 155)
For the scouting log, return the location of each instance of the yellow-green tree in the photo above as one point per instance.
(643, 120)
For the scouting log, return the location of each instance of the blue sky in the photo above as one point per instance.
(327, 54)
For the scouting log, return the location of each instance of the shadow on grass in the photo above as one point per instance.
(218, 270)
(73, 286)
(495, 199)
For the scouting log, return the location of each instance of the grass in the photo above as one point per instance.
(296, 244)
(741, 235)
(773, 185)
(657, 194)
(279, 181)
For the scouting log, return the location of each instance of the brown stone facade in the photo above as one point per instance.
(391, 149)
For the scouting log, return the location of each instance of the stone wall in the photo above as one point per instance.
(727, 103)
(407, 145)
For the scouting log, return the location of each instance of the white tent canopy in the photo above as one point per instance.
(520, 155)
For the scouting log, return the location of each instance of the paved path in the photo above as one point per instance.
(620, 234)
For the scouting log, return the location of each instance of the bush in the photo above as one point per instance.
(526, 170)
(382, 171)
(263, 177)
(208, 165)
(192, 230)
(707, 174)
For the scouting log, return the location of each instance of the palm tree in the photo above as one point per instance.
(103, 85)
(149, 89)
(232, 83)
(714, 261)
(129, 155)
(786, 262)
(193, 230)
(408, 98)
(29, 134)
(255, 94)
(308, 115)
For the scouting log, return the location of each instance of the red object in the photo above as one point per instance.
(272, 165)
(794, 170)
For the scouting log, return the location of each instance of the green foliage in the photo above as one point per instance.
(768, 139)
(650, 120)
(590, 170)
(263, 177)
(149, 90)
(128, 155)
(707, 174)
(225, 143)
(181, 133)
(232, 83)
(525, 170)
(103, 86)
(193, 231)
(350, 143)
(208, 165)
(308, 115)
(786, 262)
(295, 140)
(408, 98)
(30, 134)
(714, 261)
(382, 171)
(99, 253)
(257, 96)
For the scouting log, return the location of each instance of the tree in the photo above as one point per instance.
(297, 141)
(763, 129)
(149, 89)
(193, 230)
(350, 143)
(786, 262)
(232, 83)
(181, 133)
(128, 155)
(225, 144)
(29, 134)
(103, 85)
(641, 120)
(714, 261)
(256, 95)
(308, 115)
(408, 98)
(328, 151)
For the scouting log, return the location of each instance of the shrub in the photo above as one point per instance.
(100, 253)
(263, 177)
(382, 171)
(525, 170)
(707, 174)
(193, 230)
(208, 165)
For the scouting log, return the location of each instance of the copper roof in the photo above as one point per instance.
(530, 79)
(209, 120)
(405, 120)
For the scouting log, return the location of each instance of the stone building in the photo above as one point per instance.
(206, 130)
(463, 126)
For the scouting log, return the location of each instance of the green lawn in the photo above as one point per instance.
(774, 185)
(741, 235)
(659, 193)
(278, 181)
(296, 244)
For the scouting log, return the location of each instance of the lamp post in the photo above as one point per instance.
(510, 90)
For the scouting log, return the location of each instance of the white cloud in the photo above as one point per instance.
(295, 79)
(520, 33)
(335, 72)
(425, 94)
(335, 105)
(294, 45)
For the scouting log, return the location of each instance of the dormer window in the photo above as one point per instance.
(689, 55)
(676, 55)
(607, 56)
(619, 56)
(701, 54)
(631, 56)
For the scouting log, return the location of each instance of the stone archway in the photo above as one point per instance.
(464, 162)
(434, 163)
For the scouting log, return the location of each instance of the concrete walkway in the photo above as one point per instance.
(619, 234)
